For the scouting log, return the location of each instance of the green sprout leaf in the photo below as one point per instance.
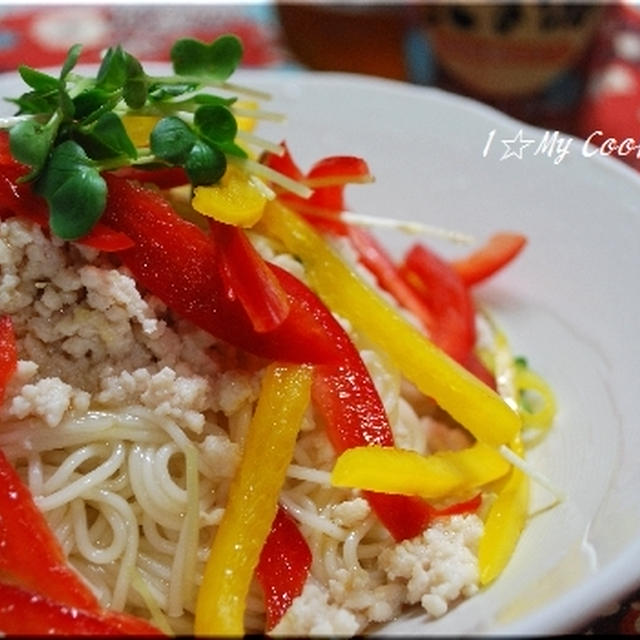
(205, 164)
(41, 82)
(113, 69)
(73, 127)
(34, 103)
(65, 104)
(110, 131)
(232, 149)
(215, 123)
(208, 98)
(74, 189)
(172, 139)
(90, 104)
(29, 143)
(71, 60)
(135, 88)
(217, 60)
(159, 91)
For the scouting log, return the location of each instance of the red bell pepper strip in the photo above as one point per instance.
(499, 250)
(447, 298)
(410, 515)
(283, 163)
(8, 353)
(466, 506)
(354, 415)
(248, 279)
(338, 170)
(103, 238)
(346, 398)
(394, 281)
(327, 178)
(449, 302)
(5, 151)
(476, 366)
(283, 567)
(19, 199)
(373, 256)
(178, 262)
(162, 177)
(25, 612)
(29, 552)
(39, 592)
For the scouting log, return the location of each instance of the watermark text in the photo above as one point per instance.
(557, 146)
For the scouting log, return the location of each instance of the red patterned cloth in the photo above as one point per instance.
(611, 104)
(41, 37)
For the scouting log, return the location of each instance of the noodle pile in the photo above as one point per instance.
(127, 424)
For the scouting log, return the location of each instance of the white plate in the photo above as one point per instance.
(569, 304)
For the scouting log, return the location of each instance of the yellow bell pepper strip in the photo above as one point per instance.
(440, 475)
(520, 386)
(504, 522)
(468, 400)
(139, 128)
(537, 414)
(347, 401)
(376, 259)
(246, 121)
(234, 199)
(253, 500)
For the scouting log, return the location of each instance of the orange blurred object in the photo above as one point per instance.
(357, 38)
(528, 59)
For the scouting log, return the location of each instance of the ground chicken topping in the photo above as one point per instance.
(91, 342)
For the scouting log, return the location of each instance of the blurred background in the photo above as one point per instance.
(566, 66)
(569, 66)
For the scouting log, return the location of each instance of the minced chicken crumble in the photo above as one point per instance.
(88, 338)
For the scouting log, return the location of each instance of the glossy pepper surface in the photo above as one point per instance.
(444, 293)
(39, 565)
(39, 592)
(436, 476)
(253, 500)
(179, 263)
(495, 253)
(27, 613)
(467, 399)
(283, 566)
(353, 413)
(504, 522)
(248, 278)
